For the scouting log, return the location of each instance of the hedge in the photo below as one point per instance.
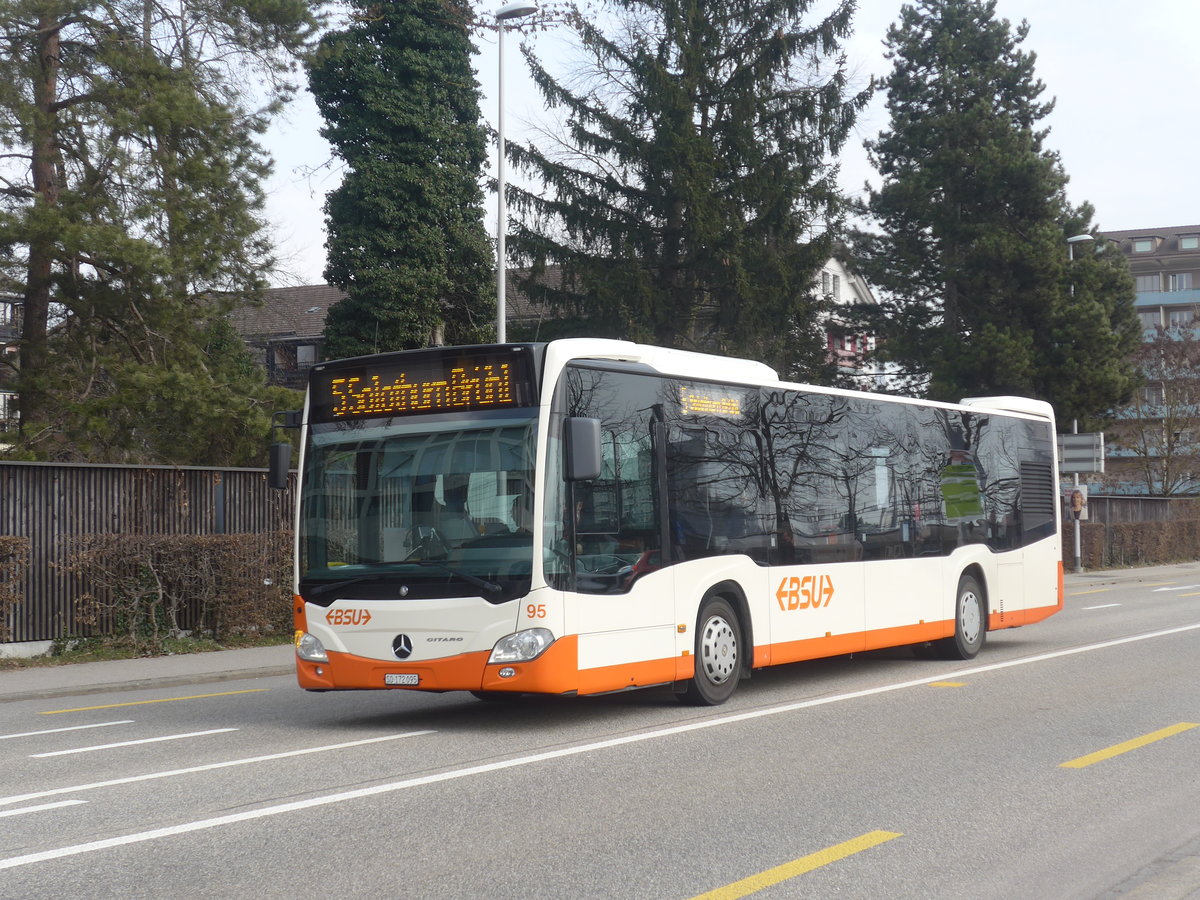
(147, 588)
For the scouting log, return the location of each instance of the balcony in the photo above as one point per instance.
(1144, 299)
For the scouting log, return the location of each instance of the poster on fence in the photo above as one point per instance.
(1075, 503)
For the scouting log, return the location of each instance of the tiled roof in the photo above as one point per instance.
(299, 312)
(1168, 239)
(288, 312)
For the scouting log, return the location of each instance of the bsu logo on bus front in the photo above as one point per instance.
(809, 592)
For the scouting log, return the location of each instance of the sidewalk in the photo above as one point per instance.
(1189, 571)
(43, 682)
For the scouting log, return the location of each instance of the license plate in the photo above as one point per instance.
(407, 678)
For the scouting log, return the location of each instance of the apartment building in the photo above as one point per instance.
(1158, 450)
(1165, 263)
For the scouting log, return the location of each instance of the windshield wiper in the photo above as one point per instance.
(323, 589)
(489, 586)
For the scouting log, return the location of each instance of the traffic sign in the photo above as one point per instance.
(1079, 453)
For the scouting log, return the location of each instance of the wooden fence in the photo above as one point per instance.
(1121, 508)
(50, 503)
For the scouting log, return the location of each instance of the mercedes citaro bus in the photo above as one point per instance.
(586, 516)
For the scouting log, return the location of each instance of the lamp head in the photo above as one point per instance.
(515, 10)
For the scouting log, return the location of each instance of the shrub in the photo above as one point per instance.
(147, 588)
(14, 563)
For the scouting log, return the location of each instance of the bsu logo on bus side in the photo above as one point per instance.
(809, 592)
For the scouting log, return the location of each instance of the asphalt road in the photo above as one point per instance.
(1064, 762)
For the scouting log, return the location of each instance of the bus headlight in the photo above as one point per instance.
(521, 647)
(310, 649)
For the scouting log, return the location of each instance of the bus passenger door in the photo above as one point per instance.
(624, 594)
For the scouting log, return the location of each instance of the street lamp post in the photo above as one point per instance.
(514, 10)
(1071, 242)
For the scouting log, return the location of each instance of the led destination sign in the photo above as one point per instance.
(424, 383)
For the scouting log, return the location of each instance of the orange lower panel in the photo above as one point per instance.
(347, 672)
(557, 670)
(839, 644)
(1041, 612)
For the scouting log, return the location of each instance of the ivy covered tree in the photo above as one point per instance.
(130, 212)
(406, 240)
(971, 253)
(691, 199)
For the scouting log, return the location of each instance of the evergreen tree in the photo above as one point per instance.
(406, 237)
(139, 213)
(971, 259)
(693, 201)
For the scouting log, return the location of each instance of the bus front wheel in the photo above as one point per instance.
(970, 622)
(718, 655)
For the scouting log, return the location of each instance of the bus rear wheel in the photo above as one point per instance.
(718, 655)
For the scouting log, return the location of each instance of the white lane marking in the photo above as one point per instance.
(1181, 587)
(45, 806)
(5, 737)
(153, 740)
(1102, 606)
(132, 779)
(454, 774)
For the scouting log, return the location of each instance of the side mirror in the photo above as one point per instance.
(281, 452)
(281, 461)
(581, 440)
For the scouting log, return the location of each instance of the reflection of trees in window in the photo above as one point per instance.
(615, 518)
(1001, 443)
(864, 478)
(800, 433)
(716, 481)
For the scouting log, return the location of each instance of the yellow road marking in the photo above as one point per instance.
(1160, 583)
(947, 684)
(55, 712)
(1096, 591)
(1190, 595)
(1118, 749)
(756, 883)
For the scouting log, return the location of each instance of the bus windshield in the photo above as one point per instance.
(424, 504)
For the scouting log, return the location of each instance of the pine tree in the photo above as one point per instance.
(694, 200)
(406, 237)
(971, 256)
(138, 219)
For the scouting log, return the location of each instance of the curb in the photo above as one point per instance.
(143, 684)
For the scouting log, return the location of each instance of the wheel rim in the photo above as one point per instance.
(971, 616)
(718, 650)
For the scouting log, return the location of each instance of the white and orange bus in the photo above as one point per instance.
(586, 516)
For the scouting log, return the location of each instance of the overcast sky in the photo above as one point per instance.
(1126, 124)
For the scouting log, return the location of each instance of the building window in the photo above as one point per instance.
(1152, 395)
(1180, 281)
(8, 411)
(1143, 245)
(1181, 318)
(1147, 284)
(306, 355)
(1151, 318)
(824, 282)
(1189, 242)
(837, 290)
